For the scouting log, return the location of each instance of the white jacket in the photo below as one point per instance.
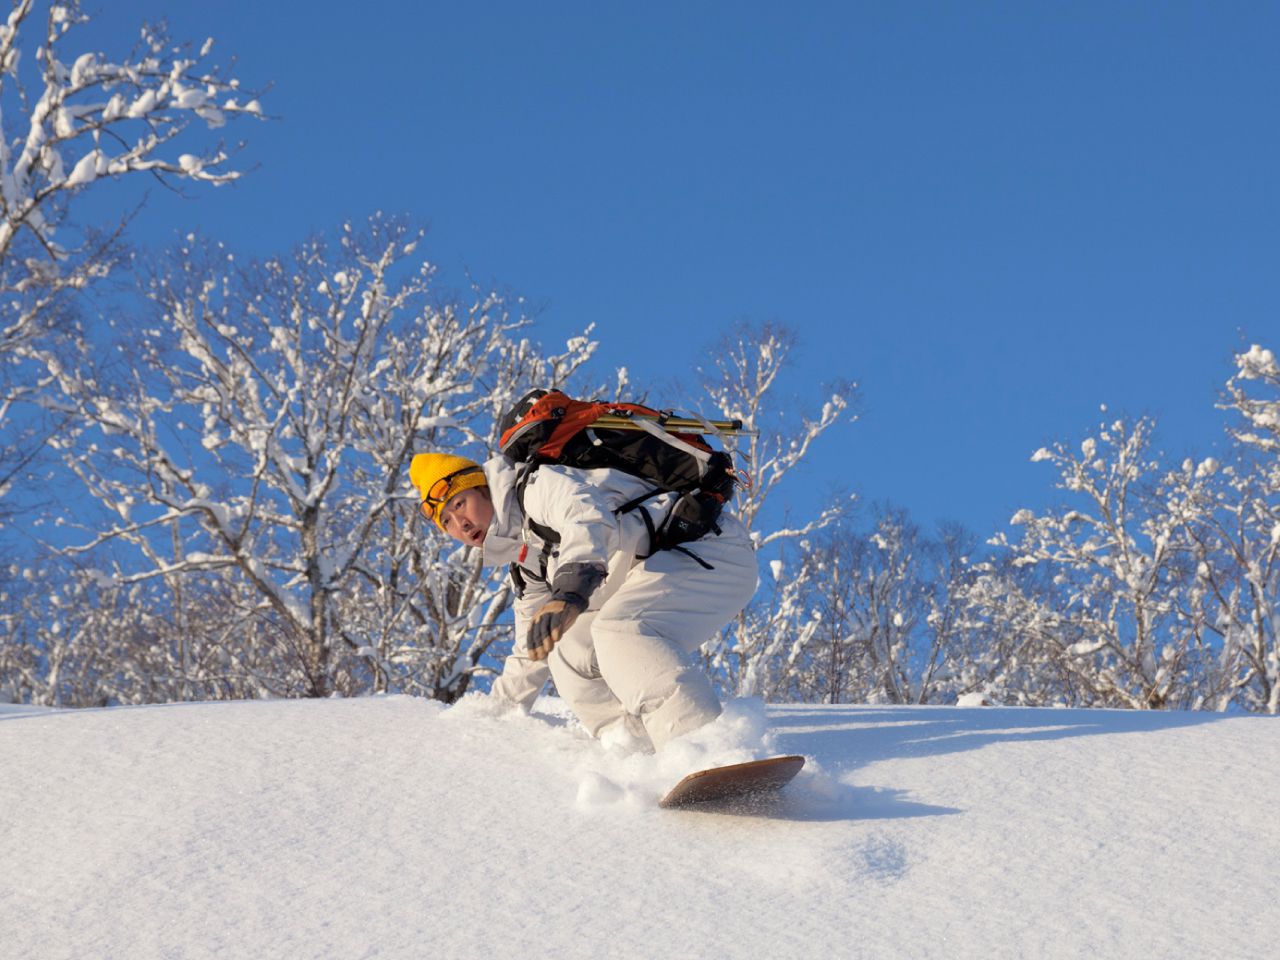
(579, 505)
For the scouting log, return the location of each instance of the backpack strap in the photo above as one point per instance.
(550, 537)
(634, 503)
(657, 539)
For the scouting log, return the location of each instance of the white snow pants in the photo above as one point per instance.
(630, 662)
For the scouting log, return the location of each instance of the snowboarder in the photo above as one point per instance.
(614, 624)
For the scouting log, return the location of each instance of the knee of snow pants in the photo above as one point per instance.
(578, 681)
(646, 635)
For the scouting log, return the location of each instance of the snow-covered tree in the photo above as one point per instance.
(1116, 630)
(750, 657)
(1011, 635)
(941, 652)
(887, 607)
(1253, 537)
(865, 593)
(1228, 514)
(422, 612)
(261, 428)
(71, 119)
(72, 637)
(1254, 394)
(1157, 587)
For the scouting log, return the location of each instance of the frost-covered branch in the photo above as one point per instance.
(1256, 372)
(89, 116)
(746, 368)
(70, 118)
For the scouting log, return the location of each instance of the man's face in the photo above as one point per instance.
(466, 516)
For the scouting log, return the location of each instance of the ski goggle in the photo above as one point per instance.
(438, 493)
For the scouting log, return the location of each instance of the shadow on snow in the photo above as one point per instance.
(848, 737)
(844, 738)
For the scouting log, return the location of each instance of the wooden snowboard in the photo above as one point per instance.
(737, 783)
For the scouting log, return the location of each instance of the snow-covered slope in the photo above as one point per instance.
(393, 827)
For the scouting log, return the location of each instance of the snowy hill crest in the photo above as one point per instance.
(394, 827)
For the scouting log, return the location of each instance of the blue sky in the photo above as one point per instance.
(994, 217)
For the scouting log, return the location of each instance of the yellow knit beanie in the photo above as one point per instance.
(427, 470)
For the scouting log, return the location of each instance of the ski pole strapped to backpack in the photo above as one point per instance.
(547, 426)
